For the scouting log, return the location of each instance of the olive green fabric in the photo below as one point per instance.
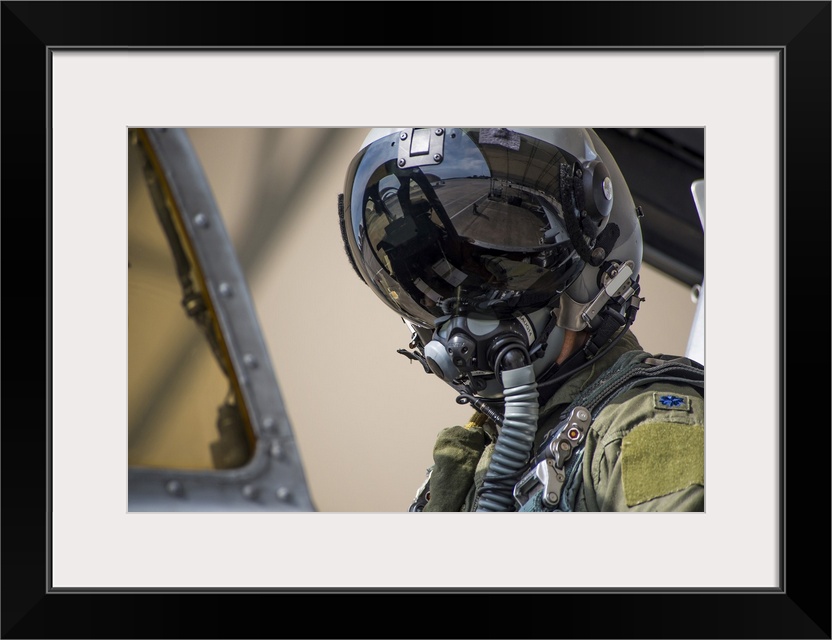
(571, 387)
(659, 458)
(662, 469)
(605, 480)
(455, 456)
(472, 499)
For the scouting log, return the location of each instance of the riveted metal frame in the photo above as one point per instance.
(273, 479)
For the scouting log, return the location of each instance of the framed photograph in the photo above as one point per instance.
(256, 208)
(79, 77)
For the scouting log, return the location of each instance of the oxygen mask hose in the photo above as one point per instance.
(516, 439)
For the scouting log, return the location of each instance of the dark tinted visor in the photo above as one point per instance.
(443, 221)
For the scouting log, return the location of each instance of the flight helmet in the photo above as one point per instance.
(491, 242)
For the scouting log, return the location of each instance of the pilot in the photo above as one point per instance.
(530, 325)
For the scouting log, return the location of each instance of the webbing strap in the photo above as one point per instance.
(630, 374)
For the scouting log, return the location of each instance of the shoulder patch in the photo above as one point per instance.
(670, 401)
(659, 458)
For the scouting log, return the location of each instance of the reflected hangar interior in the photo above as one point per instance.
(358, 411)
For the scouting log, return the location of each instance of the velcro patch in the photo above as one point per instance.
(670, 401)
(658, 458)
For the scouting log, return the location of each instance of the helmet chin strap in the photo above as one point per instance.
(572, 340)
(593, 345)
(598, 324)
(570, 359)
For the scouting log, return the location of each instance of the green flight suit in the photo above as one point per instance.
(644, 451)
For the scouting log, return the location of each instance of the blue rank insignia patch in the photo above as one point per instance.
(671, 401)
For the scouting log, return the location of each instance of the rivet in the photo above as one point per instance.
(225, 289)
(607, 187)
(695, 292)
(564, 446)
(402, 162)
(282, 493)
(268, 423)
(201, 220)
(437, 157)
(249, 492)
(403, 135)
(598, 254)
(553, 497)
(250, 361)
(275, 450)
(582, 415)
(439, 132)
(174, 488)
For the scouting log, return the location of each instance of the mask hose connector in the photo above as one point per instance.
(482, 407)
(515, 442)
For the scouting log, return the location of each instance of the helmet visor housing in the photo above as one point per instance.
(457, 221)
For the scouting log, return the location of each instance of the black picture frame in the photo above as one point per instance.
(799, 608)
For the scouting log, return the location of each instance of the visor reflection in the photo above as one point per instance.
(481, 230)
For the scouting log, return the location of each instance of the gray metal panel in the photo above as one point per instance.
(273, 479)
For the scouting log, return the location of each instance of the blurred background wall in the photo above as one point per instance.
(364, 417)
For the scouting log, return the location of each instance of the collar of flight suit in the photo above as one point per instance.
(578, 382)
